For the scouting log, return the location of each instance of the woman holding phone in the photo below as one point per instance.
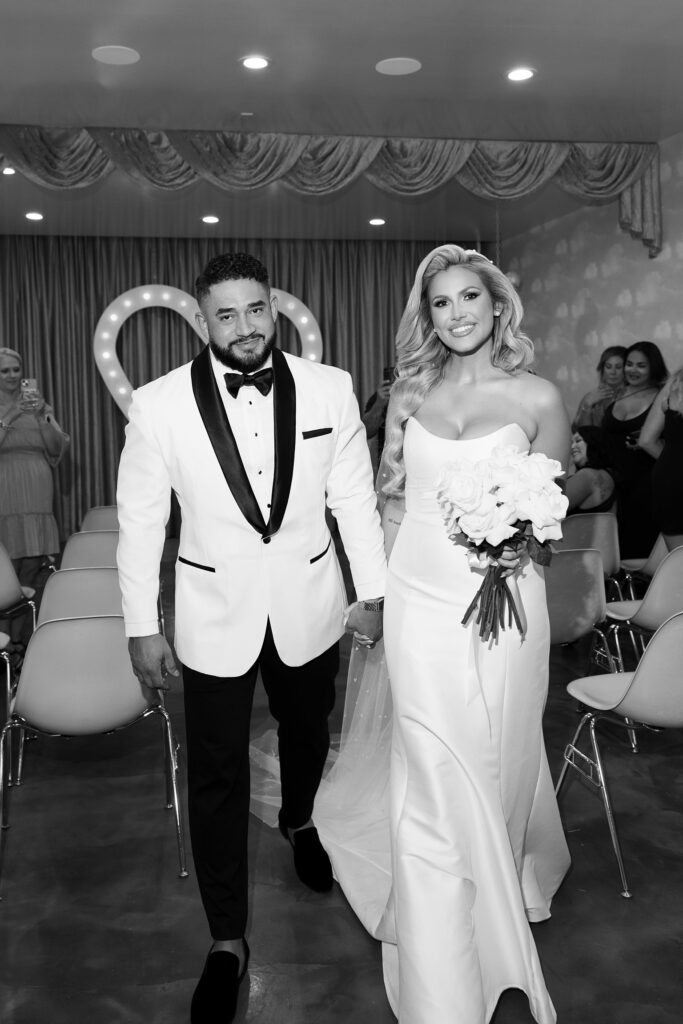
(31, 445)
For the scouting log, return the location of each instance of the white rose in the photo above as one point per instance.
(477, 523)
(539, 470)
(544, 511)
(463, 486)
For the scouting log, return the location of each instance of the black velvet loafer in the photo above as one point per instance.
(311, 862)
(215, 997)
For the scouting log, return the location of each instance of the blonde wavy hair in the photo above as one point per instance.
(421, 357)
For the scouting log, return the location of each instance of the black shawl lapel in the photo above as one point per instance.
(284, 393)
(220, 433)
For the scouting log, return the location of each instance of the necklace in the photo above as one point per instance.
(636, 391)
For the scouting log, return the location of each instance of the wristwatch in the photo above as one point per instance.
(376, 605)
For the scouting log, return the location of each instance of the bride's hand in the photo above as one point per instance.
(510, 557)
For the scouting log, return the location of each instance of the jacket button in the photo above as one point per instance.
(266, 540)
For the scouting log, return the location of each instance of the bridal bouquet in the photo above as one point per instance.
(506, 500)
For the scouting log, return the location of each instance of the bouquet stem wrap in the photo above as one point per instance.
(493, 599)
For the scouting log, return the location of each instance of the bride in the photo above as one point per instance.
(439, 814)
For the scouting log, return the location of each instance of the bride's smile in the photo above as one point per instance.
(461, 310)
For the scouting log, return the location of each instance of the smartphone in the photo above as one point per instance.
(29, 386)
(388, 374)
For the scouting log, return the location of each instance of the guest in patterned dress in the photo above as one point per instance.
(611, 373)
(31, 445)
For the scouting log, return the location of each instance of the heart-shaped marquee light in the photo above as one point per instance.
(149, 295)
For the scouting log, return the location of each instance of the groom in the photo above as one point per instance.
(255, 444)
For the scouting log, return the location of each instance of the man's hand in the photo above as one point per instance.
(366, 626)
(152, 660)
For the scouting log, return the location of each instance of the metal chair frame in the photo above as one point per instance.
(647, 699)
(593, 771)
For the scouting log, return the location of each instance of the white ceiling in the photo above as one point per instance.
(607, 70)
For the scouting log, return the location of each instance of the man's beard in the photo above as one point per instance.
(245, 362)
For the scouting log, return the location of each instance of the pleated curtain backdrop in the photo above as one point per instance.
(53, 291)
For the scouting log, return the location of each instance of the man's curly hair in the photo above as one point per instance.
(230, 266)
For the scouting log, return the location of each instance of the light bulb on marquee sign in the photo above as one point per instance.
(150, 295)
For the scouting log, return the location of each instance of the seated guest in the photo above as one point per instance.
(589, 486)
(644, 374)
(662, 438)
(611, 374)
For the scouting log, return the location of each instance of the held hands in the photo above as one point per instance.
(152, 660)
(366, 626)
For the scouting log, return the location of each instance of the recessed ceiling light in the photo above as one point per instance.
(34, 215)
(210, 219)
(116, 55)
(255, 62)
(8, 170)
(521, 74)
(398, 66)
(377, 222)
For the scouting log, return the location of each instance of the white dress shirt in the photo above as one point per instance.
(251, 417)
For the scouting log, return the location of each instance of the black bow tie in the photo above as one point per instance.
(263, 380)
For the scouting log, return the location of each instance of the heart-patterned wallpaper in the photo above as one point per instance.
(586, 285)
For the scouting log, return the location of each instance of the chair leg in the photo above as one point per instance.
(4, 802)
(632, 735)
(4, 766)
(628, 580)
(625, 892)
(20, 757)
(172, 762)
(567, 762)
(619, 658)
(601, 655)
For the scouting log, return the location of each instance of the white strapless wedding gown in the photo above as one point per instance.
(450, 861)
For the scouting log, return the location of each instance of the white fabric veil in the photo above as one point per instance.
(352, 808)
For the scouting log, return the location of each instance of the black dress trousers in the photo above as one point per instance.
(217, 721)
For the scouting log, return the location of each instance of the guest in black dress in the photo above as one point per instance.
(662, 437)
(589, 486)
(644, 373)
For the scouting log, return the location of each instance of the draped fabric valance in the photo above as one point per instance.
(61, 158)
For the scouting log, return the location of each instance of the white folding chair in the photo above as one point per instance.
(597, 530)
(649, 697)
(75, 593)
(639, 619)
(77, 680)
(100, 517)
(97, 549)
(575, 595)
(92, 549)
(642, 570)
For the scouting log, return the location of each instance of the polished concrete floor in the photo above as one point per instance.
(96, 927)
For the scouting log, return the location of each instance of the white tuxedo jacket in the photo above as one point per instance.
(234, 570)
